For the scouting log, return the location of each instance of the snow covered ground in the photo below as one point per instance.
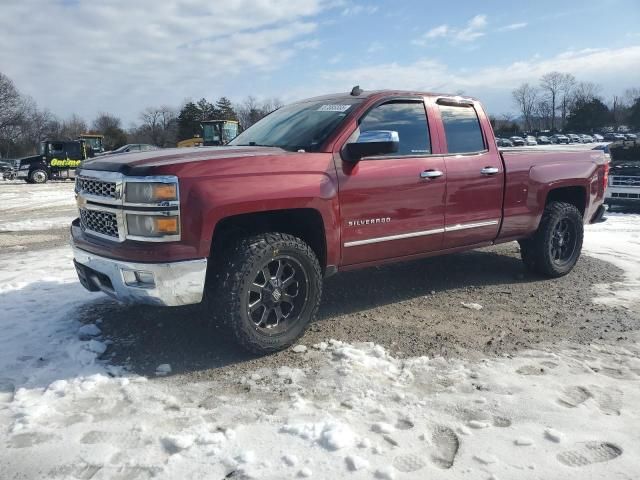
(353, 411)
(22, 205)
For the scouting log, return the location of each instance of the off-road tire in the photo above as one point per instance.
(536, 251)
(38, 176)
(233, 272)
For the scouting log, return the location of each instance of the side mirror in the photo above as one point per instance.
(373, 142)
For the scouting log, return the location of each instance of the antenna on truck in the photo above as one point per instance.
(355, 91)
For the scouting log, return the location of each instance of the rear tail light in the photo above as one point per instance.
(605, 177)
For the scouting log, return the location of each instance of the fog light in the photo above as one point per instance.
(138, 278)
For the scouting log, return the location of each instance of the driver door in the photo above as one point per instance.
(393, 205)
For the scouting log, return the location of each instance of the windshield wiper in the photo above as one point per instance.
(252, 144)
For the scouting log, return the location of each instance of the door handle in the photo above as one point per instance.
(431, 174)
(489, 171)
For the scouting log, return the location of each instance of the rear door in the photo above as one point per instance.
(389, 206)
(475, 177)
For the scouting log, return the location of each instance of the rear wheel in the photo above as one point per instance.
(266, 290)
(556, 246)
(38, 176)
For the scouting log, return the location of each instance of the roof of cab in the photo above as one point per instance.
(366, 94)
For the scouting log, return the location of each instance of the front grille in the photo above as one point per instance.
(622, 181)
(96, 187)
(626, 195)
(104, 223)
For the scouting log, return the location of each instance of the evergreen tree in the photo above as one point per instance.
(225, 109)
(634, 114)
(189, 121)
(588, 115)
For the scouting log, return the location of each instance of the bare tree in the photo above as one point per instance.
(13, 110)
(159, 125)
(566, 94)
(585, 92)
(544, 113)
(525, 98)
(248, 112)
(630, 95)
(551, 84)
(251, 110)
(72, 127)
(105, 121)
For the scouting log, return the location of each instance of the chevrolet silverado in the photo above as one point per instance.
(324, 185)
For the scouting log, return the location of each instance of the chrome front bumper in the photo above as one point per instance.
(165, 284)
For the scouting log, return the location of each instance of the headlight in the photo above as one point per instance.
(150, 192)
(152, 226)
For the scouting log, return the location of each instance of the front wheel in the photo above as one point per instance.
(38, 176)
(556, 246)
(266, 290)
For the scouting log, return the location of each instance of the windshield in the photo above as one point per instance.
(301, 126)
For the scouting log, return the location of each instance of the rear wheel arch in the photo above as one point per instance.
(575, 195)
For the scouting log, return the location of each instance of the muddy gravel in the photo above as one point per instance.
(412, 309)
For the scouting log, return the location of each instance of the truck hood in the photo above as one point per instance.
(143, 163)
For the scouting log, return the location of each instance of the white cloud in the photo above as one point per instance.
(614, 69)
(308, 44)
(357, 9)
(120, 56)
(513, 26)
(375, 47)
(436, 32)
(474, 29)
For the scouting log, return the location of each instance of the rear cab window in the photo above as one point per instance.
(462, 129)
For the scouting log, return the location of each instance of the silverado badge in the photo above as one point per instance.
(368, 221)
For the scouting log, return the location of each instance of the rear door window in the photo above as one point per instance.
(462, 129)
(409, 119)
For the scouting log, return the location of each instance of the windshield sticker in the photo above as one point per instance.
(334, 108)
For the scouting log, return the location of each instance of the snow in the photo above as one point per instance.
(89, 330)
(299, 349)
(356, 411)
(472, 306)
(163, 369)
(21, 203)
(617, 241)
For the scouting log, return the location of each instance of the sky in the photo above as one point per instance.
(121, 56)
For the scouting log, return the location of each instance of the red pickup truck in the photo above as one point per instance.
(323, 185)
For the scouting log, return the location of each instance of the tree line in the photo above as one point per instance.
(23, 125)
(559, 102)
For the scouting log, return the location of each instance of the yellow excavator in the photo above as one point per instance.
(214, 133)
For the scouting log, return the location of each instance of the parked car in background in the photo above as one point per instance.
(544, 140)
(517, 141)
(624, 177)
(574, 138)
(598, 138)
(530, 140)
(504, 142)
(630, 136)
(614, 137)
(7, 170)
(132, 147)
(559, 139)
(586, 138)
